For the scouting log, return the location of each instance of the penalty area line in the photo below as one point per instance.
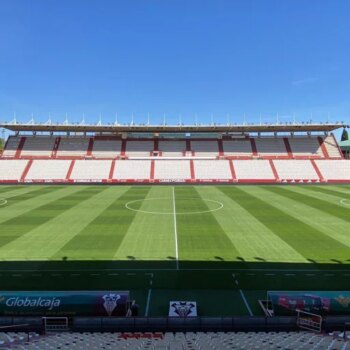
(242, 295)
(246, 302)
(148, 301)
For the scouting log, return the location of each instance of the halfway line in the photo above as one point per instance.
(175, 232)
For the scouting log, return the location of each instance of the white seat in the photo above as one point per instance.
(55, 169)
(295, 170)
(175, 170)
(334, 169)
(12, 169)
(91, 170)
(132, 170)
(212, 170)
(253, 170)
(73, 146)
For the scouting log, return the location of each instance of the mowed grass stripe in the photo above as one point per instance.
(319, 201)
(14, 228)
(102, 237)
(328, 195)
(13, 191)
(273, 212)
(200, 237)
(150, 236)
(252, 239)
(337, 188)
(26, 202)
(329, 225)
(4, 189)
(31, 193)
(331, 191)
(71, 222)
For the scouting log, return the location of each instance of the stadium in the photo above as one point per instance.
(174, 236)
(174, 175)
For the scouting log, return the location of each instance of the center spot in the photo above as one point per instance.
(164, 206)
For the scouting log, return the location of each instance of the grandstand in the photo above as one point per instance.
(294, 153)
(224, 247)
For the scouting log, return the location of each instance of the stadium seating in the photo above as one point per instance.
(106, 148)
(239, 147)
(338, 170)
(48, 170)
(91, 170)
(172, 170)
(132, 170)
(11, 146)
(305, 146)
(256, 170)
(205, 148)
(176, 341)
(38, 146)
(12, 170)
(212, 170)
(271, 146)
(172, 148)
(73, 146)
(175, 170)
(295, 170)
(299, 158)
(136, 149)
(10, 340)
(110, 147)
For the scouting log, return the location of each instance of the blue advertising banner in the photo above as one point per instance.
(63, 303)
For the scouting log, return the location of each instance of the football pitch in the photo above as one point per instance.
(222, 246)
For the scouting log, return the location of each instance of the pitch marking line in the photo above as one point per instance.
(3, 201)
(345, 202)
(149, 294)
(175, 231)
(128, 206)
(148, 301)
(243, 296)
(246, 302)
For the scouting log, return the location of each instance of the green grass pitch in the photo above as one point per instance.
(223, 246)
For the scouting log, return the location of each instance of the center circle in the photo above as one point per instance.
(345, 202)
(212, 206)
(3, 201)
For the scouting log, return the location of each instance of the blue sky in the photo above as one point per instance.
(175, 57)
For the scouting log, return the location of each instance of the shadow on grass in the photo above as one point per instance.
(136, 274)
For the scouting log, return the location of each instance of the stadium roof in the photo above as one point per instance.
(199, 128)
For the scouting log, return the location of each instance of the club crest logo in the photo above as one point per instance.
(183, 308)
(110, 302)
